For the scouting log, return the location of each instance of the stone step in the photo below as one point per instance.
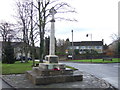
(49, 72)
(42, 80)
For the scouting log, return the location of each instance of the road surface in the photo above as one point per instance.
(108, 72)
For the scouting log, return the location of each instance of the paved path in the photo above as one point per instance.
(89, 82)
(5, 85)
(108, 72)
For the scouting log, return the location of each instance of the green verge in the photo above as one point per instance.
(16, 68)
(20, 68)
(114, 60)
(71, 68)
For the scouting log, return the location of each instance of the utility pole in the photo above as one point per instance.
(91, 48)
(72, 46)
(90, 36)
(91, 44)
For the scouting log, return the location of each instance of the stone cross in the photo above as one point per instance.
(52, 58)
(52, 33)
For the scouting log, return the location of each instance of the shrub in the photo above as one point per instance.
(8, 54)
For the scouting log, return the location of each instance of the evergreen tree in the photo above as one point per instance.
(8, 53)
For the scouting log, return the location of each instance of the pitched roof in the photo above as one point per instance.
(88, 43)
(15, 44)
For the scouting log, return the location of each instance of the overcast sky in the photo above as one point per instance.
(96, 17)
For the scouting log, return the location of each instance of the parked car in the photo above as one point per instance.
(23, 58)
(69, 56)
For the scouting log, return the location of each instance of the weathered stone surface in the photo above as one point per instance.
(62, 66)
(90, 81)
(39, 80)
(52, 58)
(51, 72)
(46, 66)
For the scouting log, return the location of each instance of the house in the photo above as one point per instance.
(18, 49)
(86, 45)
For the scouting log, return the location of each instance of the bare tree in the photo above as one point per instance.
(28, 26)
(60, 42)
(7, 34)
(114, 36)
(32, 36)
(6, 30)
(23, 15)
(43, 10)
(115, 44)
(62, 45)
(27, 10)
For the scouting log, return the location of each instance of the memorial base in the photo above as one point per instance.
(51, 58)
(43, 80)
(52, 73)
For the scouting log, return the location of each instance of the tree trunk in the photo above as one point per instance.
(40, 32)
(32, 40)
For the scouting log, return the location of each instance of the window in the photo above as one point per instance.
(82, 47)
(89, 47)
(98, 47)
(77, 47)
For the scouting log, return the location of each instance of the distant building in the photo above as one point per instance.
(18, 49)
(86, 45)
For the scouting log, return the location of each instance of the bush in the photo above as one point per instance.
(60, 53)
(76, 51)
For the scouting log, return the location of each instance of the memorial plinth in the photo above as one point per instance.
(44, 80)
(45, 74)
(51, 58)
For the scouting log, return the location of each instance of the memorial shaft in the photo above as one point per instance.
(52, 38)
(52, 33)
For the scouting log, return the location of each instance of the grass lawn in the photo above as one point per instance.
(114, 60)
(20, 68)
(16, 68)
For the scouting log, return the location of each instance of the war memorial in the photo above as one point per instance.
(52, 71)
